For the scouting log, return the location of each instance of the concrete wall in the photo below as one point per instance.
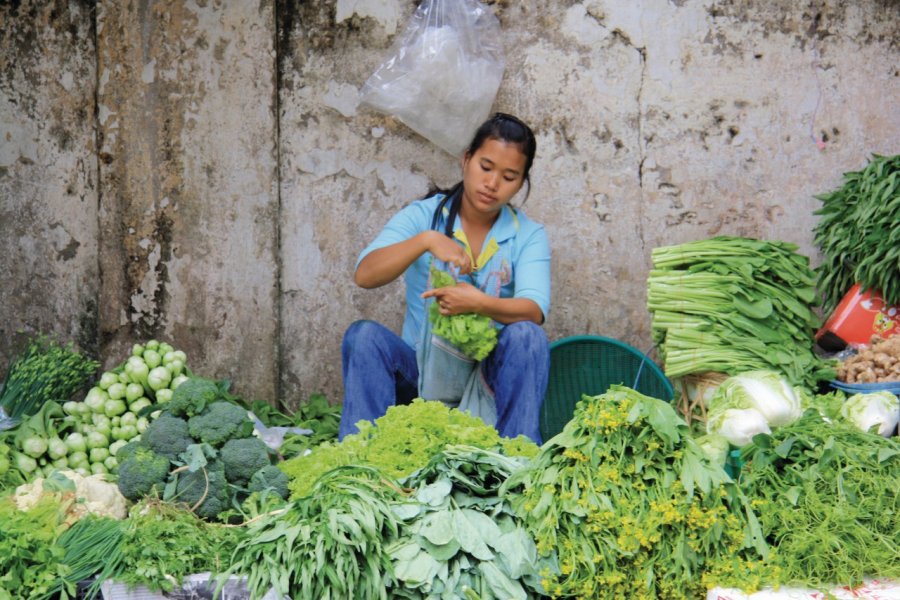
(202, 171)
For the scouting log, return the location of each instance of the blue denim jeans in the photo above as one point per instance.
(380, 370)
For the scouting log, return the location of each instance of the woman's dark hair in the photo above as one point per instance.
(502, 127)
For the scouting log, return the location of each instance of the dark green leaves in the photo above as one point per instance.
(859, 235)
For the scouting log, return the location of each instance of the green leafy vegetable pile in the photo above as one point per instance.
(458, 537)
(30, 558)
(475, 335)
(328, 545)
(858, 233)
(732, 304)
(161, 544)
(828, 501)
(399, 443)
(44, 371)
(631, 507)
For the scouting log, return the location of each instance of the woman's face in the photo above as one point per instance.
(491, 177)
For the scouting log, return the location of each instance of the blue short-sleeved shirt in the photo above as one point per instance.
(513, 263)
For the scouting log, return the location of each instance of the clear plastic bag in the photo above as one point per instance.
(443, 72)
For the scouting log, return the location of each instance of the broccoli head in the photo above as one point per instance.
(142, 472)
(208, 484)
(243, 457)
(272, 478)
(128, 450)
(167, 435)
(220, 422)
(192, 396)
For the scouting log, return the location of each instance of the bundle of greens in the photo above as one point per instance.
(458, 536)
(631, 506)
(31, 561)
(328, 545)
(399, 443)
(475, 335)
(161, 544)
(858, 234)
(828, 501)
(731, 304)
(45, 370)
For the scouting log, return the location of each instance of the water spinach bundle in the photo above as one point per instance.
(329, 545)
(630, 507)
(733, 304)
(858, 233)
(828, 501)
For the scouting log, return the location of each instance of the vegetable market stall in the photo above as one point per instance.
(207, 492)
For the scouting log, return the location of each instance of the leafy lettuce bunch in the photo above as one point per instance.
(475, 335)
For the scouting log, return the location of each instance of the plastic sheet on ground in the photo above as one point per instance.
(871, 590)
(194, 587)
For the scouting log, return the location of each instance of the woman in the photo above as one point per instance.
(502, 261)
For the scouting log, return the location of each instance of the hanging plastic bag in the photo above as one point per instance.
(443, 73)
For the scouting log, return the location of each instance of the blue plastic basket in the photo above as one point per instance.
(867, 388)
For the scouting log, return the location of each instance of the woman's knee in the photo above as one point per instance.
(360, 333)
(524, 334)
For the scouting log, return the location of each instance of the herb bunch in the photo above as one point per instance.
(828, 501)
(631, 507)
(31, 561)
(163, 543)
(89, 545)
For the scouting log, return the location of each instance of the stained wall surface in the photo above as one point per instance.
(204, 172)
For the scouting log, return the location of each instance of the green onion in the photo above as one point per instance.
(91, 545)
(44, 371)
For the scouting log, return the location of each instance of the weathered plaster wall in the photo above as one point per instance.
(188, 180)
(237, 177)
(48, 173)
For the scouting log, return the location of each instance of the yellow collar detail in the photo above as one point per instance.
(490, 246)
(490, 249)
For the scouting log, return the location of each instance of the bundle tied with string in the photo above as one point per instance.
(695, 390)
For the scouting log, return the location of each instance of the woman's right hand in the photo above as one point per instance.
(449, 251)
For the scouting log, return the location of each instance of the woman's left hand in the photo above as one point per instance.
(456, 299)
